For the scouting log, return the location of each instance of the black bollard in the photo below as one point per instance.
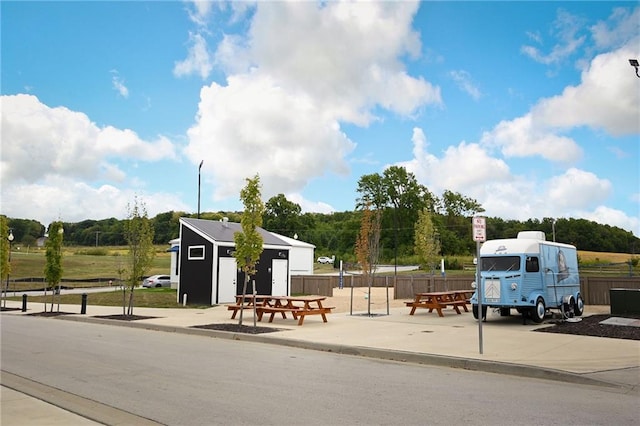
(24, 303)
(83, 308)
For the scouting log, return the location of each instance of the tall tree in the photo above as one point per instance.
(139, 236)
(282, 216)
(53, 255)
(427, 244)
(367, 246)
(373, 192)
(249, 243)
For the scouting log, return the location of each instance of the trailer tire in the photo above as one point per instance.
(538, 311)
(578, 307)
(474, 309)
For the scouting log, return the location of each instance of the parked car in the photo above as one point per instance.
(325, 259)
(157, 281)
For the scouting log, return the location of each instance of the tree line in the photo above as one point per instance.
(394, 194)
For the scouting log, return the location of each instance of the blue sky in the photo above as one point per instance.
(531, 108)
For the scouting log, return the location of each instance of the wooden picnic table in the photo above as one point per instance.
(440, 300)
(251, 301)
(298, 307)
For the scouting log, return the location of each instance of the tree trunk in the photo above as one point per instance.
(244, 292)
(130, 312)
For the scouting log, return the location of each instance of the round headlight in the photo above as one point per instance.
(473, 285)
(514, 286)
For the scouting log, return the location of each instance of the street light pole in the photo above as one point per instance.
(199, 168)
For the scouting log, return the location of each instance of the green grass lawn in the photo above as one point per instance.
(143, 298)
(77, 265)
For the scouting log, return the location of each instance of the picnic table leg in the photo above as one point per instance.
(301, 319)
(413, 310)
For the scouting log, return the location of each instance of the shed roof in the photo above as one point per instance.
(223, 231)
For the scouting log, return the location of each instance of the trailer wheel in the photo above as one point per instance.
(474, 309)
(578, 307)
(537, 312)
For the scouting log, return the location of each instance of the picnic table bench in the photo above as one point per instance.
(440, 300)
(250, 302)
(298, 307)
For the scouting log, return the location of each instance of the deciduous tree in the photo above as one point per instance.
(139, 236)
(5, 266)
(427, 244)
(367, 246)
(282, 216)
(53, 256)
(249, 243)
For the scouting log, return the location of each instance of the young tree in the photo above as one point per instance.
(5, 266)
(367, 246)
(427, 245)
(138, 232)
(249, 243)
(53, 255)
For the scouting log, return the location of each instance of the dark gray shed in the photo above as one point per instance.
(209, 274)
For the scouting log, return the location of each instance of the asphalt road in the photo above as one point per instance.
(179, 379)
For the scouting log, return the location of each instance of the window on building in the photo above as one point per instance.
(196, 252)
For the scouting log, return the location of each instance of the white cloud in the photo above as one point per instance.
(200, 12)
(310, 206)
(470, 170)
(613, 217)
(72, 201)
(326, 51)
(525, 137)
(577, 189)
(50, 156)
(607, 97)
(40, 141)
(302, 70)
(464, 82)
(242, 130)
(565, 30)
(600, 101)
(199, 60)
(118, 84)
(620, 27)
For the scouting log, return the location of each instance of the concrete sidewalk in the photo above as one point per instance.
(508, 346)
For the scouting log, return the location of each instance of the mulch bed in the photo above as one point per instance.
(121, 317)
(237, 328)
(49, 314)
(590, 326)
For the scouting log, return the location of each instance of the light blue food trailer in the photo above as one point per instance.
(529, 274)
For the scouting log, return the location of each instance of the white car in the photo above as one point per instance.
(157, 281)
(325, 259)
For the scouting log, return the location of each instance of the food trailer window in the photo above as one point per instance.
(500, 263)
(532, 264)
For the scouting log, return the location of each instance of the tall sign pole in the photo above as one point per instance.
(479, 236)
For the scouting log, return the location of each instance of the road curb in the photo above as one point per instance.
(496, 367)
